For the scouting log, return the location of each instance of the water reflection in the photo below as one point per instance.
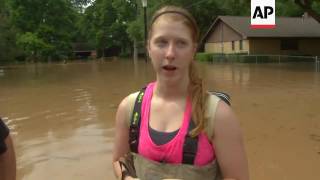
(62, 115)
(1, 72)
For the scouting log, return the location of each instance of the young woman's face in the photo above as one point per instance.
(171, 49)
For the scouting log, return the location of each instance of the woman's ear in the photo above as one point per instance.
(195, 48)
(148, 48)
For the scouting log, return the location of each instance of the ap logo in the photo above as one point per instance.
(263, 14)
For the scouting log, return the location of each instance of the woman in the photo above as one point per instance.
(174, 109)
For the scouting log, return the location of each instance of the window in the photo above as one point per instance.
(241, 45)
(289, 44)
(232, 45)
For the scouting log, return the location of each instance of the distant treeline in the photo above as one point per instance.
(38, 30)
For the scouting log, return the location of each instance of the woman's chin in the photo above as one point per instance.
(171, 80)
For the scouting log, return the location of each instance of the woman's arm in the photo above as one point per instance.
(121, 141)
(8, 161)
(228, 143)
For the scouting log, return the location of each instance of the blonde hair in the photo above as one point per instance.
(197, 90)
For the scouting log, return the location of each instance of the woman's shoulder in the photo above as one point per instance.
(126, 106)
(218, 107)
(132, 96)
(226, 122)
(127, 100)
(210, 113)
(221, 117)
(223, 110)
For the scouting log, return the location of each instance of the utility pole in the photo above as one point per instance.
(144, 5)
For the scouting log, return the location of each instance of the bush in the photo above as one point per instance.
(204, 57)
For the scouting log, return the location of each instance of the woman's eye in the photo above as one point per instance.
(161, 43)
(181, 43)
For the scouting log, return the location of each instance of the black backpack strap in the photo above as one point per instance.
(135, 122)
(190, 146)
(223, 96)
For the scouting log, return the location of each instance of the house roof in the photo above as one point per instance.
(285, 27)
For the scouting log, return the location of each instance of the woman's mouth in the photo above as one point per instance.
(169, 68)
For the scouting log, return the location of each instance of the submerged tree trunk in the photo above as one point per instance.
(135, 51)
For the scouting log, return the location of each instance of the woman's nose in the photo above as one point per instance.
(170, 53)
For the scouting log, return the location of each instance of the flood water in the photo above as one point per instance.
(61, 116)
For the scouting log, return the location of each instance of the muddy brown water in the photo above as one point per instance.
(61, 116)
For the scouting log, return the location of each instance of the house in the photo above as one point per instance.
(83, 50)
(291, 36)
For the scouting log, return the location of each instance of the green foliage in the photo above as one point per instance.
(316, 6)
(287, 8)
(80, 5)
(235, 7)
(134, 30)
(204, 57)
(7, 35)
(44, 27)
(47, 29)
(204, 11)
(104, 25)
(34, 46)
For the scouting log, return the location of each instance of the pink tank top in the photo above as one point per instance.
(171, 152)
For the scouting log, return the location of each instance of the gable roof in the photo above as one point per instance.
(285, 27)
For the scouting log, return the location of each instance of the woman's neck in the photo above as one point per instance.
(168, 90)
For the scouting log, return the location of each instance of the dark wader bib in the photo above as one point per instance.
(152, 170)
(147, 169)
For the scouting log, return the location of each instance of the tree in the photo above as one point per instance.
(204, 11)
(126, 14)
(34, 46)
(287, 8)
(47, 29)
(106, 22)
(48, 23)
(312, 7)
(98, 19)
(80, 5)
(7, 35)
